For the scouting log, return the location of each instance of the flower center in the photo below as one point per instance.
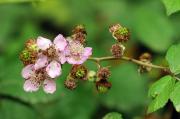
(76, 48)
(51, 52)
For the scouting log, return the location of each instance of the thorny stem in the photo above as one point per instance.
(107, 58)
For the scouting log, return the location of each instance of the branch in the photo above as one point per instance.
(107, 58)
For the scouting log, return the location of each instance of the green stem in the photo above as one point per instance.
(107, 58)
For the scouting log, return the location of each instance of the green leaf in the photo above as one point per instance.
(175, 97)
(172, 6)
(160, 92)
(173, 57)
(113, 115)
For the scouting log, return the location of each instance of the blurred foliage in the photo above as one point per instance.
(151, 30)
(113, 115)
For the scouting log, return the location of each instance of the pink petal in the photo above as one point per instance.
(87, 51)
(53, 69)
(62, 57)
(49, 86)
(60, 42)
(27, 71)
(71, 60)
(43, 43)
(41, 62)
(31, 85)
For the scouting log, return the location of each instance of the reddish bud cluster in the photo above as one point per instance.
(79, 34)
(70, 83)
(103, 73)
(117, 50)
(102, 84)
(146, 58)
(29, 54)
(78, 72)
(121, 34)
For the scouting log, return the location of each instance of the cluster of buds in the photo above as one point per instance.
(43, 59)
(78, 72)
(102, 83)
(29, 54)
(146, 58)
(121, 35)
(79, 34)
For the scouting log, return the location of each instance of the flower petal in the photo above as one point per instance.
(62, 57)
(31, 85)
(43, 43)
(49, 86)
(60, 42)
(87, 51)
(27, 71)
(41, 62)
(53, 69)
(71, 60)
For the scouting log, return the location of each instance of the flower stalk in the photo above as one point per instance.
(108, 58)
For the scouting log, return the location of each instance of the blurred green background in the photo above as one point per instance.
(151, 30)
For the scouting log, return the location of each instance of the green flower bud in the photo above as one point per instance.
(79, 72)
(122, 34)
(25, 55)
(28, 56)
(31, 45)
(91, 76)
(103, 86)
(102, 89)
(70, 83)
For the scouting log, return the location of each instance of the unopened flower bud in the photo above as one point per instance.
(28, 57)
(103, 73)
(70, 83)
(122, 34)
(79, 37)
(91, 76)
(79, 34)
(79, 72)
(146, 58)
(117, 50)
(103, 86)
(114, 28)
(78, 29)
(31, 45)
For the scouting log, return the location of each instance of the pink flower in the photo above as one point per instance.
(52, 55)
(36, 78)
(76, 53)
